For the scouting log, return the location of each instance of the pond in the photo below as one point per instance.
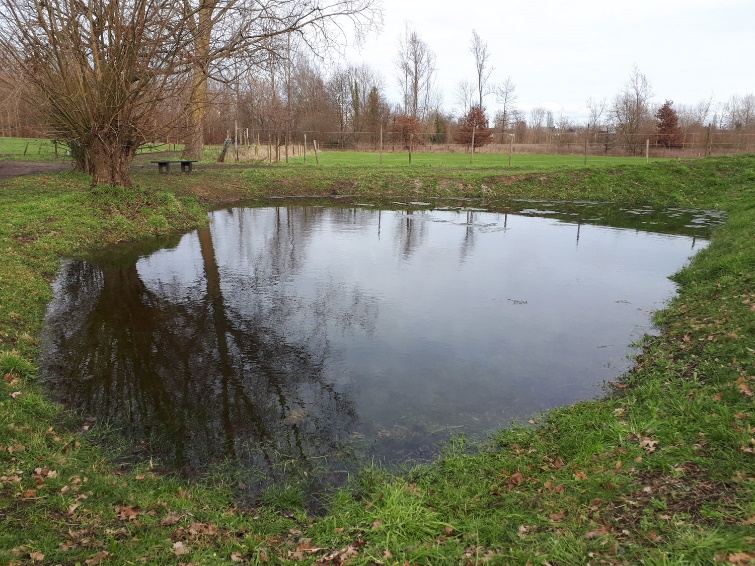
(320, 336)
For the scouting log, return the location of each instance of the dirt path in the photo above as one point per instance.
(16, 168)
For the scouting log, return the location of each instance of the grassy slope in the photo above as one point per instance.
(661, 471)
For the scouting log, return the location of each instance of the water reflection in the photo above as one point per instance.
(304, 333)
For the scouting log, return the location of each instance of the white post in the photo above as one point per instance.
(647, 151)
(305, 148)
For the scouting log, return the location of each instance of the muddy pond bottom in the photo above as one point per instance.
(304, 337)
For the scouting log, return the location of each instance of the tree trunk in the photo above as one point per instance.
(109, 162)
(198, 98)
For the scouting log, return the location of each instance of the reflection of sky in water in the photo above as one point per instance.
(425, 322)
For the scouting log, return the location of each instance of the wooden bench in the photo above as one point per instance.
(163, 165)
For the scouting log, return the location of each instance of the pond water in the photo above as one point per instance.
(300, 335)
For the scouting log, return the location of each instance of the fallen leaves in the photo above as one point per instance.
(15, 394)
(743, 386)
(516, 479)
(36, 556)
(97, 558)
(42, 474)
(649, 444)
(127, 512)
(741, 558)
(304, 548)
(553, 488)
(557, 517)
(599, 532)
(180, 548)
(170, 519)
(342, 555)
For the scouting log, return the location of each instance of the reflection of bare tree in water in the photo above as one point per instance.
(410, 233)
(200, 381)
(467, 244)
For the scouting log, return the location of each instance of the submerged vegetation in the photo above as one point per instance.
(660, 471)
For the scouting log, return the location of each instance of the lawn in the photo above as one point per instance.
(659, 472)
(40, 149)
(32, 149)
(459, 160)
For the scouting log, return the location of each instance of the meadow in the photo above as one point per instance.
(657, 472)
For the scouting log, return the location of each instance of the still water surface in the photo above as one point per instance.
(332, 335)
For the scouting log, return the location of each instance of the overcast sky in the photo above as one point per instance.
(559, 53)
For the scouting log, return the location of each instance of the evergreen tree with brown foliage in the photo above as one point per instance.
(474, 125)
(669, 134)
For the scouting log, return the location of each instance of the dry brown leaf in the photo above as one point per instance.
(556, 517)
(649, 444)
(180, 548)
(36, 556)
(580, 476)
(339, 557)
(127, 512)
(97, 558)
(599, 532)
(741, 558)
(516, 479)
(743, 386)
(170, 519)
(237, 557)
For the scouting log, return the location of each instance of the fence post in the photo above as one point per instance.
(511, 147)
(411, 143)
(381, 144)
(647, 150)
(708, 141)
(474, 128)
(317, 157)
(305, 148)
(587, 134)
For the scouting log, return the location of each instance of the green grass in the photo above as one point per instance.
(459, 160)
(658, 473)
(40, 149)
(29, 149)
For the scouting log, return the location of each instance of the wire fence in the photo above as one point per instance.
(276, 146)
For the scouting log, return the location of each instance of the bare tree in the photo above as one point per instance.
(465, 95)
(416, 64)
(595, 112)
(631, 109)
(100, 70)
(739, 112)
(504, 94)
(253, 30)
(483, 70)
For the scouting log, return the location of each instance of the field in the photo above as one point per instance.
(659, 472)
(39, 149)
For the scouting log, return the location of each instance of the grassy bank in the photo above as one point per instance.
(659, 472)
